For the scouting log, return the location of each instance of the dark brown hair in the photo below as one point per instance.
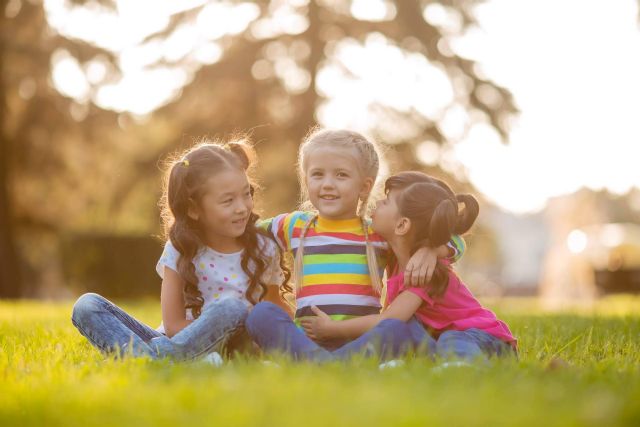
(185, 179)
(433, 209)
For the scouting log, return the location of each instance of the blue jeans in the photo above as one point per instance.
(110, 329)
(472, 344)
(274, 331)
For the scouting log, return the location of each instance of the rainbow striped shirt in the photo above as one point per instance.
(335, 270)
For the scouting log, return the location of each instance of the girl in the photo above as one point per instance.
(450, 321)
(336, 254)
(215, 263)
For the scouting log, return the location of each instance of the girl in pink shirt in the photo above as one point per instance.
(444, 318)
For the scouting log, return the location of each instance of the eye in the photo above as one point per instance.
(227, 201)
(343, 175)
(316, 173)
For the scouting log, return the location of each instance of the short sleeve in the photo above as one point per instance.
(275, 228)
(281, 227)
(459, 247)
(169, 258)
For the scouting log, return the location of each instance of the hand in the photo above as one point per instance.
(420, 267)
(317, 328)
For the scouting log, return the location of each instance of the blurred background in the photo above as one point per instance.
(533, 106)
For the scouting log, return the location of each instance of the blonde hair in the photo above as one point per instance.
(368, 161)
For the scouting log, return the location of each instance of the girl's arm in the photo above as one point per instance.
(172, 302)
(321, 327)
(273, 296)
(423, 262)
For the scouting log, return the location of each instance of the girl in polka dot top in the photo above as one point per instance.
(215, 265)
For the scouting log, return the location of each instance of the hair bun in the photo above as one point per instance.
(443, 222)
(244, 152)
(468, 215)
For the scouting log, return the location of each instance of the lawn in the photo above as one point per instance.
(49, 375)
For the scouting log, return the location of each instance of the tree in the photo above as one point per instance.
(265, 81)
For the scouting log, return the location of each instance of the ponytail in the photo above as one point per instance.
(433, 209)
(184, 184)
(468, 216)
(298, 261)
(244, 152)
(443, 222)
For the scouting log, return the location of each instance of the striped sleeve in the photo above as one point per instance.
(274, 227)
(281, 227)
(459, 246)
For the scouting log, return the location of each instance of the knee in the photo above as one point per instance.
(262, 314)
(85, 306)
(232, 309)
(449, 341)
(450, 336)
(393, 331)
(456, 343)
(392, 325)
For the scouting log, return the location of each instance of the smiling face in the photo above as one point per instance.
(335, 183)
(224, 207)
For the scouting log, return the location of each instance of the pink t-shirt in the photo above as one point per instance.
(456, 310)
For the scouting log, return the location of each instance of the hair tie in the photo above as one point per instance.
(185, 162)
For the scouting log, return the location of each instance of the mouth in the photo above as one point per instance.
(329, 197)
(240, 221)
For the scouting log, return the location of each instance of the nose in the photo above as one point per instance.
(327, 182)
(240, 207)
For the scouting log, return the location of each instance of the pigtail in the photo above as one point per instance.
(187, 243)
(372, 260)
(433, 209)
(183, 186)
(183, 233)
(443, 221)
(244, 152)
(369, 165)
(372, 257)
(468, 215)
(298, 264)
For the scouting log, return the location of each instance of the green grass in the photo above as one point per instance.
(50, 375)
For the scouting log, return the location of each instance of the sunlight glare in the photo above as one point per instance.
(577, 241)
(578, 126)
(373, 10)
(68, 77)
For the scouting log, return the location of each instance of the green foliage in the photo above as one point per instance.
(50, 375)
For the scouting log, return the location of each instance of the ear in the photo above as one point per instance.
(367, 185)
(192, 211)
(403, 226)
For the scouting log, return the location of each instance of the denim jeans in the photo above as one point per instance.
(274, 331)
(110, 329)
(472, 344)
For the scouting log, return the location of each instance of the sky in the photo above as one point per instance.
(573, 68)
(571, 65)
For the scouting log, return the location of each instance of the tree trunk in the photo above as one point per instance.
(10, 283)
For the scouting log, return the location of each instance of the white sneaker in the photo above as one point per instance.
(452, 364)
(395, 363)
(213, 359)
